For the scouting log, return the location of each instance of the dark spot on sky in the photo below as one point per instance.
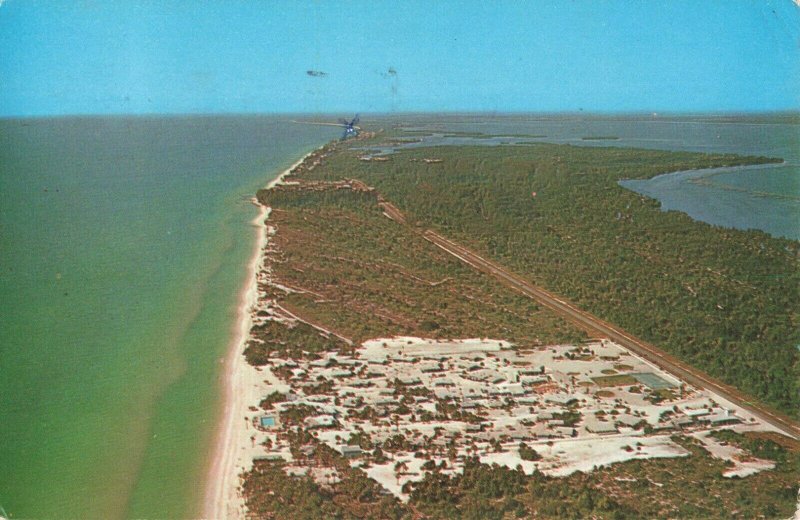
(316, 73)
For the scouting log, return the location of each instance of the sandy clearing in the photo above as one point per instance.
(408, 345)
(743, 464)
(564, 457)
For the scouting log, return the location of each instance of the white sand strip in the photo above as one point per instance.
(243, 385)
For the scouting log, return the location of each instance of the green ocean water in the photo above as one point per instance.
(123, 245)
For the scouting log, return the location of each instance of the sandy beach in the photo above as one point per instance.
(243, 386)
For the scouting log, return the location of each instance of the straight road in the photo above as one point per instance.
(596, 326)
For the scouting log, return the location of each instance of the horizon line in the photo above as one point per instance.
(381, 114)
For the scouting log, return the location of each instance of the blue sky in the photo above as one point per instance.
(133, 56)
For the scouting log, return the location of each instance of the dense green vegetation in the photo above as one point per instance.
(297, 342)
(690, 487)
(763, 447)
(364, 276)
(724, 300)
(270, 493)
(271, 399)
(528, 453)
(677, 488)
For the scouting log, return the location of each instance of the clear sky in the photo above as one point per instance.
(135, 56)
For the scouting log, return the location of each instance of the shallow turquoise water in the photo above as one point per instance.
(123, 243)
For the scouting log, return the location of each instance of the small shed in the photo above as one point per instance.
(562, 399)
(350, 452)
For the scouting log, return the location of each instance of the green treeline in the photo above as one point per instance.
(689, 487)
(723, 300)
(274, 338)
(364, 276)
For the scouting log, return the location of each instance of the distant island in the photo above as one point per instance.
(407, 357)
(471, 135)
(600, 138)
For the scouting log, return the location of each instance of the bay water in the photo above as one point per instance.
(762, 197)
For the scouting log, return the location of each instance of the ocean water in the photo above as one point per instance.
(123, 246)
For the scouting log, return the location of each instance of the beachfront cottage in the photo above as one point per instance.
(341, 373)
(721, 418)
(628, 420)
(429, 368)
(533, 380)
(541, 431)
(562, 399)
(409, 380)
(696, 412)
(600, 427)
(350, 452)
(515, 389)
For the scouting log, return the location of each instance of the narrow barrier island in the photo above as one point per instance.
(392, 377)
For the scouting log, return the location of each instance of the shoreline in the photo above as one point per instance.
(221, 498)
(696, 174)
(698, 194)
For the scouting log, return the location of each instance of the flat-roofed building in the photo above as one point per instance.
(350, 452)
(602, 427)
(562, 399)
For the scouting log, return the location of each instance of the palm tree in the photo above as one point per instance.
(399, 468)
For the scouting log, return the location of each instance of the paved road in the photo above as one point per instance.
(596, 326)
